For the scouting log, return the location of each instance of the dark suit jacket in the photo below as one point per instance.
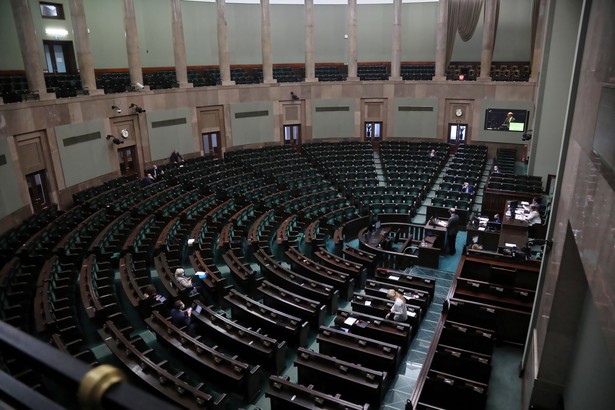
(179, 318)
(453, 224)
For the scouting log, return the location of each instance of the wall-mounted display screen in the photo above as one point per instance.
(500, 119)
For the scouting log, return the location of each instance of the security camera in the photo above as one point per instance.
(139, 86)
(137, 109)
(117, 109)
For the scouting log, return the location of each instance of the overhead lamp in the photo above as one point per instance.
(60, 32)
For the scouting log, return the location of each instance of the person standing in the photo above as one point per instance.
(399, 311)
(176, 157)
(452, 227)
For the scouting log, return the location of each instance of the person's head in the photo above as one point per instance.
(495, 168)
(179, 305)
(465, 184)
(452, 211)
(148, 290)
(150, 176)
(393, 294)
(536, 200)
(179, 272)
(510, 114)
(496, 216)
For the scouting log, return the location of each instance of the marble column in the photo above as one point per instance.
(223, 57)
(82, 48)
(132, 44)
(310, 67)
(396, 59)
(442, 29)
(489, 26)
(539, 43)
(179, 47)
(352, 43)
(30, 53)
(266, 43)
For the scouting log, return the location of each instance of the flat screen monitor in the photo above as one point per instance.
(493, 226)
(501, 119)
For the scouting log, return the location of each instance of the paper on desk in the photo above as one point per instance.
(368, 303)
(393, 277)
(481, 228)
(350, 321)
(190, 242)
(510, 245)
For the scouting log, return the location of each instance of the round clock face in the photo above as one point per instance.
(125, 133)
(458, 112)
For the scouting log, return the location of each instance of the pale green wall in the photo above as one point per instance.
(418, 31)
(333, 124)
(553, 97)
(330, 25)
(106, 23)
(9, 46)
(372, 19)
(244, 33)
(200, 33)
(287, 33)
(85, 160)
(163, 140)
(107, 39)
(252, 130)
(10, 197)
(514, 35)
(415, 124)
(155, 32)
(506, 137)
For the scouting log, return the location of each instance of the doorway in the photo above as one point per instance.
(38, 190)
(60, 57)
(211, 146)
(127, 158)
(457, 133)
(372, 132)
(292, 134)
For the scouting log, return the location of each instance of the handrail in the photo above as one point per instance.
(97, 388)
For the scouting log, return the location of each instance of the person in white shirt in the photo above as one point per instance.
(398, 310)
(533, 217)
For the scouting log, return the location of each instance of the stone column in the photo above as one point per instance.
(310, 67)
(396, 60)
(179, 47)
(266, 43)
(28, 44)
(539, 42)
(488, 40)
(440, 74)
(82, 48)
(132, 44)
(223, 57)
(352, 43)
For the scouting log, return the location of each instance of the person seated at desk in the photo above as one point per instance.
(533, 217)
(467, 188)
(399, 311)
(180, 317)
(537, 203)
(495, 170)
(432, 153)
(194, 287)
(497, 219)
